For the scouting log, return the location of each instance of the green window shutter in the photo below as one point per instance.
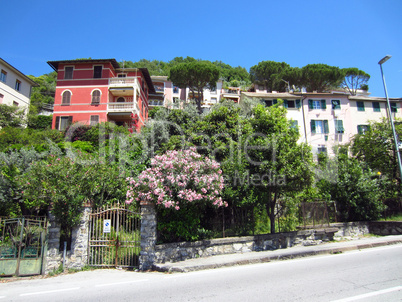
(310, 104)
(70, 121)
(376, 107)
(359, 129)
(285, 103)
(339, 126)
(323, 104)
(298, 104)
(312, 126)
(394, 107)
(274, 101)
(56, 126)
(326, 127)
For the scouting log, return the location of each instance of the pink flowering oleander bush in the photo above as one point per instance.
(176, 178)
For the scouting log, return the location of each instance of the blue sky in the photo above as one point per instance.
(240, 33)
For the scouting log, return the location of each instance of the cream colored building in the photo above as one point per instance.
(15, 87)
(328, 119)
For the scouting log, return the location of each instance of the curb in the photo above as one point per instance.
(181, 267)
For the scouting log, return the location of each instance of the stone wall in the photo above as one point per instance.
(77, 257)
(173, 252)
(384, 228)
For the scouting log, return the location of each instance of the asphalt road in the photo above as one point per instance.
(369, 275)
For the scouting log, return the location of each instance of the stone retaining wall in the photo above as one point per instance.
(173, 252)
(384, 228)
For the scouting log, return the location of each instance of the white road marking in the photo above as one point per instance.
(375, 293)
(117, 283)
(49, 291)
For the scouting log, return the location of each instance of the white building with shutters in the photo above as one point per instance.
(15, 87)
(328, 119)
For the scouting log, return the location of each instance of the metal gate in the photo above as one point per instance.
(22, 246)
(114, 237)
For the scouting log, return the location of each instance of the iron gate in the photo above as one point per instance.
(22, 245)
(114, 237)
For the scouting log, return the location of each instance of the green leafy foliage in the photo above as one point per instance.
(356, 189)
(196, 76)
(40, 121)
(321, 77)
(11, 116)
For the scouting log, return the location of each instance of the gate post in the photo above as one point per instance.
(148, 235)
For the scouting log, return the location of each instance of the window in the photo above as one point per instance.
(319, 126)
(213, 89)
(66, 98)
(62, 122)
(376, 107)
(97, 72)
(291, 104)
(122, 75)
(360, 106)
(3, 76)
(175, 89)
(96, 94)
(294, 124)
(18, 85)
(339, 127)
(94, 120)
(322, 149)
(120, 100)
(1, 98)
(15, 104)
(269, 103)
(317, 104)
(394, 107)
(336, 104)
(68, 73)
(213, 100)
(362, 129)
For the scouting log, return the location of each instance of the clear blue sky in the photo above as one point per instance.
(341, 33)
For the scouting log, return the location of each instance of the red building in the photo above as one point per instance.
(95, 91)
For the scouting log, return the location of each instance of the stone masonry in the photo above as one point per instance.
(77, 257)
(148, 235)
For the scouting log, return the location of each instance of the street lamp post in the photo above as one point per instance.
(382, 61)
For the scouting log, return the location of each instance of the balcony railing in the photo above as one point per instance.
(159, 88)
(155, 102)
(116, 82)
(120, 107)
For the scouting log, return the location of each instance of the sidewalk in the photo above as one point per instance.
(333, 247)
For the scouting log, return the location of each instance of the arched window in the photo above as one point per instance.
(66, 98)
(96, 94)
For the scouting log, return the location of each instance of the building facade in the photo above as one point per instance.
(94, 91)
(325, 120)
(15, 87)
(169, 95)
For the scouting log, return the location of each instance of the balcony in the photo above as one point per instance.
(156, 103)
(122, 82)
(121, 107)
(159, 88)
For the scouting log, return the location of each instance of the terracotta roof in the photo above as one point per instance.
(277, 95)
(55, 64)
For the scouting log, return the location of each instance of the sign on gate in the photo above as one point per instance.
(114, 237)
(107, 225)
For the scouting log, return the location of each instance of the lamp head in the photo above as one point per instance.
(385, 59)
